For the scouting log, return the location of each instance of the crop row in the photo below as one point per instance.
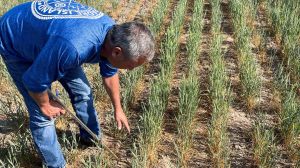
(286, 22)
(132, 79)
(265, 152)
(218, 140)
(284, 18)
(242, 11)
(152, 117)
(189, 90)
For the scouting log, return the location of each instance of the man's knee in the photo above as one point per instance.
(83, 95)
(37, 124)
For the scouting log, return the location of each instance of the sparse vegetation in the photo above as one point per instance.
(152, 117)
(243, 14)
(218, 140)
(265, 152)
(169, 126)
(189, 93)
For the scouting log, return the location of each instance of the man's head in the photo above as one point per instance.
(129, 45)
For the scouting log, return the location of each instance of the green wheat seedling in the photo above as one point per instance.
(171, 45)
(131, 79)
(96, 160)
(249, 76)
(265, 152)
(189, 89)
(219, 91)
(216, 16)
(168, 53)
(289, 120)
(188, 104)
(158, 16)
(114, 4)
(159, 91)
(129, 83)
(218, 141)
(20, 150)
(284, 17)
(69, 143)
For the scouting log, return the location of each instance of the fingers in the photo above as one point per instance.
(125, 122)
(121, 119)
(126, 125)
(58, 113)
(119, 124)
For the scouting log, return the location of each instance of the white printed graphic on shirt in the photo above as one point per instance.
(63, 9)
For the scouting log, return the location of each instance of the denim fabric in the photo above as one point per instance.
(80, 93)
(55, 41)
(43, 129)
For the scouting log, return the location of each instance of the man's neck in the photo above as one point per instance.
(105, 50)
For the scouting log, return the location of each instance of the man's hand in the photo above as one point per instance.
(121, 119)
(52, 109)
(112, 87)
(49, 108)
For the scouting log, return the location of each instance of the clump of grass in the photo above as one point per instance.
(97, 159)
(158, 16)
(159, 92)
(284, 17)
(289, 120)
(220, 96)
(3, 72)
(20, 151)
(189, 88)
(218, 141)
(129, 83)
(132, 78)
(265, 152)
(114, 4)
(244, 29)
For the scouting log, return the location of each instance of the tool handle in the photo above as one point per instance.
(54, 98)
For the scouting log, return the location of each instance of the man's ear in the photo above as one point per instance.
(117, 52)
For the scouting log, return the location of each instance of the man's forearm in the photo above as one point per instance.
(40, 98)
(112, 86)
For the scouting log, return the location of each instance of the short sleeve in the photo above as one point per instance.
(55, 59)
(106, 69)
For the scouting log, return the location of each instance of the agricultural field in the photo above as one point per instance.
(222, 91)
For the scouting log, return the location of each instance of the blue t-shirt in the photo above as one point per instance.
(55, 36)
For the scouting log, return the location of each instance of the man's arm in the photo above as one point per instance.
(112, 86)
(49, 108)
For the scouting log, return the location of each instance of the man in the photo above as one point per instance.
(48, 40)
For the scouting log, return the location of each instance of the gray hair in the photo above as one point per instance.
(135, 40)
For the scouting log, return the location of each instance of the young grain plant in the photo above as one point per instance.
(285, 19)
(189, 88)
(220, 97)
(265, 152)
(249, 76)
(152, 117)
(132, 79)
(289, 116)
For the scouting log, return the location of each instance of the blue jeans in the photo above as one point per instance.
(43, 129)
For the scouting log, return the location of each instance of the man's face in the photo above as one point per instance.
(118, 60)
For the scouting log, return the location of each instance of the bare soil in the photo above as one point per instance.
(240, 126)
